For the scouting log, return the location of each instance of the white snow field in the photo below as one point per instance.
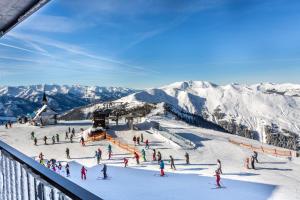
(275, 178)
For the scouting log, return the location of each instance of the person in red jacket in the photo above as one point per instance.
(218, 178)
(137, 158)
(125, 162)
(83, 173)
(147, 144)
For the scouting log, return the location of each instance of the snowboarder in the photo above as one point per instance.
(138, 140)
(125, 162)
(68, 153)
(83, 173)
(255, 155)
(57, 138)
(147, 144)
(162, 167)
(219, 166)
(67, 167)
(32, 135)
(134, 140)
(218, 178)
(137, 158)
(45, 139)
(35, 141)
(104, 170)
(252, 162)
(53, 139)
(66, 135)
(187, 158)
(82, 141)
(109, 151)
(154, 155)
(158, 156)
(172, 164)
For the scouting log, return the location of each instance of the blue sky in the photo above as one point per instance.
(149, 43)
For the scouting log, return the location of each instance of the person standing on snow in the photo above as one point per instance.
(158, 156)
(32, 135)
(154, 155)
(218, 178)
(100, 153)
(69, 129)
(138, 140)
(109, 151)
(125, 162)
(252, 162)
(147, 144)
(53, 139)
(45, 139)
(35, 141)
(144, 155)
(68, 153)
(73, 132)
(162, 167)
(71, 138)
(67, 167)
(219, 166)
(134, 140)
(255, 155)
(187, 158)
(172, 164)
(97, 157)
(137, 158)
(104, 170)
(57, 138)
(66, 135)
(142, 137)
(247, 163)
(83, 173)
(82, 141)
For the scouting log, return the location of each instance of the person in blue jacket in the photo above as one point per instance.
(162, 167)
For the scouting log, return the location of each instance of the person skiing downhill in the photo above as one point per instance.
(162, 167)
(83, 173)
(187, 158)
(219, 166)
(109, 151)
(147, 144)
(172, 164)
(144, 155)
(137, 157)
(218, 178)
(104, 170)
(154, 155)
(125, 162)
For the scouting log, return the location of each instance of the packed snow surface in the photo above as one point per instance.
(252, 105)
(274, 178)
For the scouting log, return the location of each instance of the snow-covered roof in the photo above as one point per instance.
(44, 111)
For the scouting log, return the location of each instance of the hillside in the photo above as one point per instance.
(20, 100)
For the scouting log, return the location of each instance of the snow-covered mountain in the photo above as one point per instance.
(19, 100)
(259, 108)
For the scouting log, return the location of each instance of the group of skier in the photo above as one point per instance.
(8, 125)
(53, 165)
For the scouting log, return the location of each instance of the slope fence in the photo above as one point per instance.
(122, 145)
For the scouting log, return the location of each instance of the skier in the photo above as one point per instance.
(144, 155)
(57, 138)
(67, 135)
(104, 170)
(162, 166)
(142, 137)
(82, 141)
(53, 139)
(247, 163)
(187, 158)
(158, 156)
(172, 164)
(255, 155)
(6, 126)
(134, 140)
(252, 162)
(154, 155)
(73, 132)
(97, 157)
(137, 158)
(71, 138)
(69, 129)
(41, 156)
(218, 178)
(125, 162)
(68, 153)
(59, 166)
(147, 144)
(67, 167)
(219, 166)
(109, 151)
(35, 141)
(138, 140)
(32, 135)
(83, 173)
(100, 153)
(45, 139)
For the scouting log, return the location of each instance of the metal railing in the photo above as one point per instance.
(22, 177)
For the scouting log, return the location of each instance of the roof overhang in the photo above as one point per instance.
(12, 12)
